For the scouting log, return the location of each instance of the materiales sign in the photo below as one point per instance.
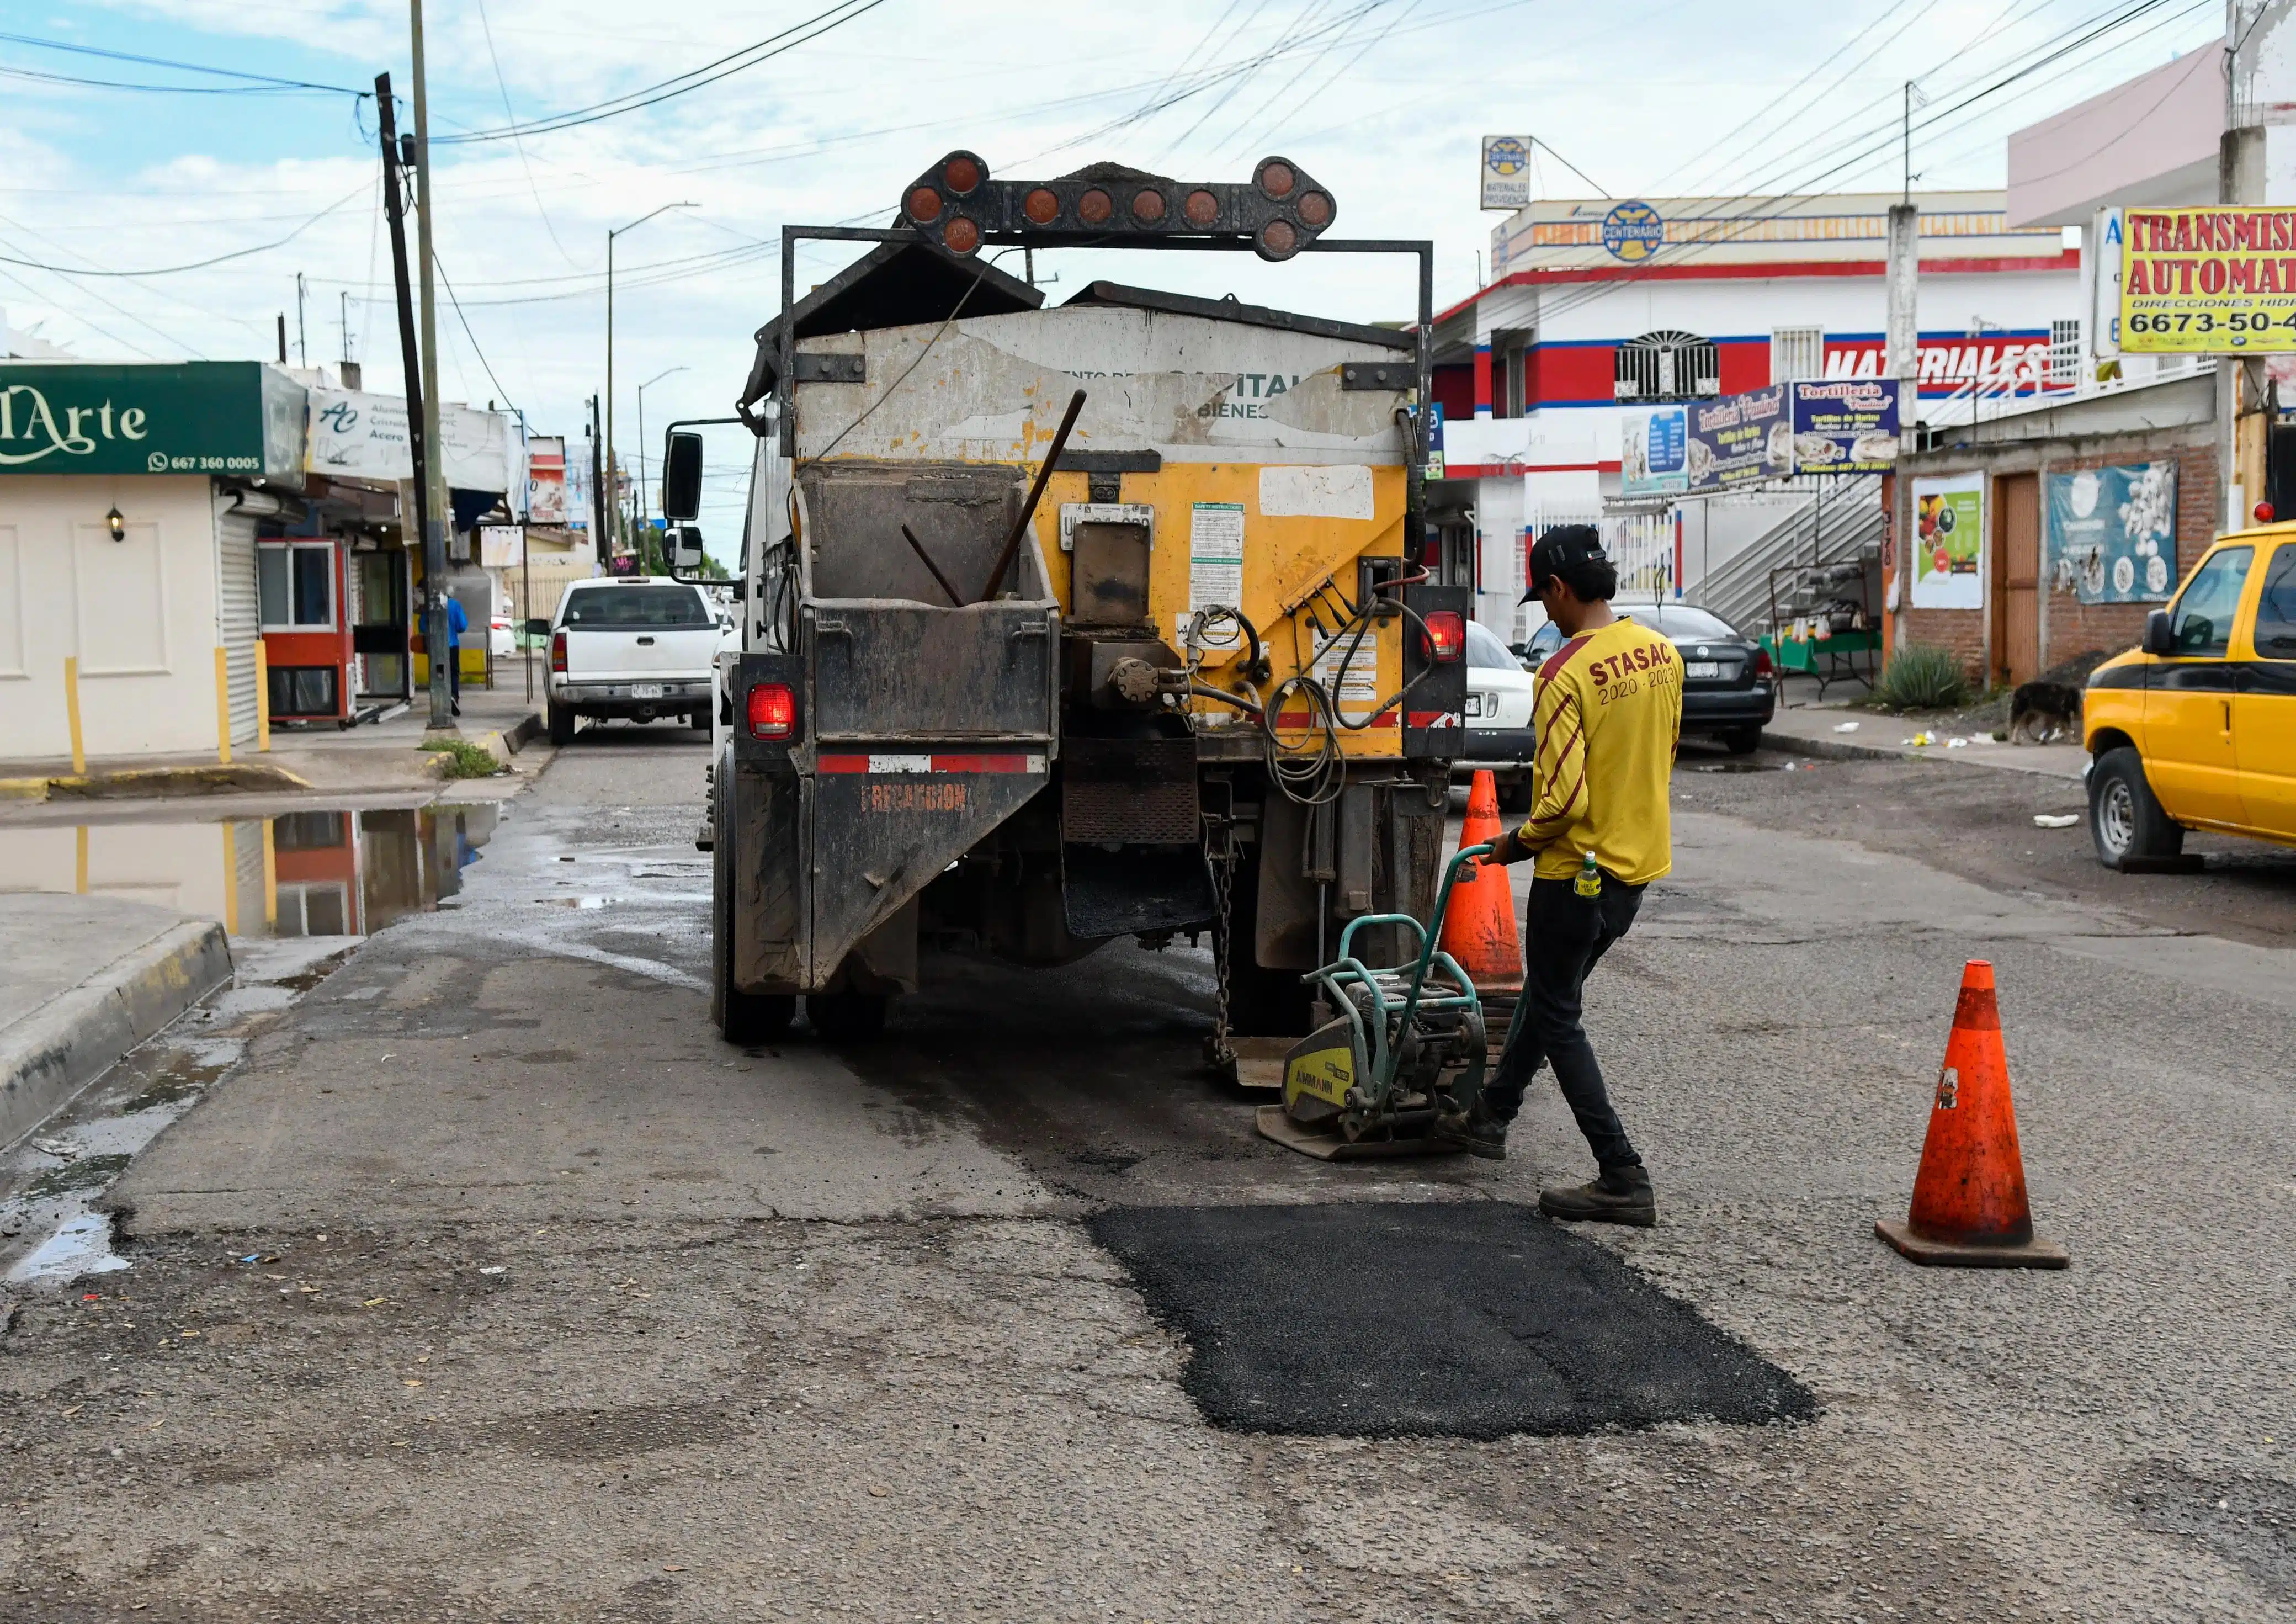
(210, 417)
(2208, 281)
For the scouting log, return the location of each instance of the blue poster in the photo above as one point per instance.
(1846, 425)
(1653, 450)
(2112, 532)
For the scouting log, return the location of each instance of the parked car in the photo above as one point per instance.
(640, 648)
(502, 642)
(1729, 686)
(1499, 735)
(2196, 728)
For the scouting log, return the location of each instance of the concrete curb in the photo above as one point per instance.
(1833, 750)
(240, 778)
(52, 1054)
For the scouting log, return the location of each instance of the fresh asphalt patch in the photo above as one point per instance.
(1442, 1319)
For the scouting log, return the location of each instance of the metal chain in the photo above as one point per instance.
(1218, 1051)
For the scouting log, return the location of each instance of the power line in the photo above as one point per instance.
(161, 61)
(196, 265)
(439, 266)
(512, 113)
(797, 33)
(35, 77)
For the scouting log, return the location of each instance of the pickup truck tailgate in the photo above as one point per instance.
(666, 653)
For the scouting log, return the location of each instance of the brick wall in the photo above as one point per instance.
(1962, 630)
(2073, 628)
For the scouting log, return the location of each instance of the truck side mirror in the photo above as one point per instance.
(537, 628)
(685, 551)
(681, 476)
(2158, 639)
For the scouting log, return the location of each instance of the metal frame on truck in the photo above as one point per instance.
(893, 735)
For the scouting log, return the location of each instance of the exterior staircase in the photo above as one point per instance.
(1843, 530)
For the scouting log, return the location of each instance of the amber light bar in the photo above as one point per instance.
(1279, 211)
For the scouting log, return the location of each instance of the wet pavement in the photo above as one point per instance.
(484, 1282)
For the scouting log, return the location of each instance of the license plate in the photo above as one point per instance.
(1701, 667)
(645, 690)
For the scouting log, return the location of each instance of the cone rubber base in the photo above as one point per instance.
(2035, 1253)
(1274, 1123)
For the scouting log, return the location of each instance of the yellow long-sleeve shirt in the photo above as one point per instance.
(1609, 713)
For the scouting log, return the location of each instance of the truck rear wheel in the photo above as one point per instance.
(845, 1017)
(743, 1018)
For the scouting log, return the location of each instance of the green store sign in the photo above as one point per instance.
(204, 417)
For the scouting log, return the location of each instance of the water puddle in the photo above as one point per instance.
(336, 871)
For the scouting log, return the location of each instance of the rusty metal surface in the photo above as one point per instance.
(896, 672)
(1138, 791)
(769, 882)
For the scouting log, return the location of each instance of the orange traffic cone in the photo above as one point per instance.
(1968, 1207)
(1479, 926)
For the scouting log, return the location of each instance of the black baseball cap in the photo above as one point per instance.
(1561, 551)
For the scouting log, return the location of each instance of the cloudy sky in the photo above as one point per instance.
(1382, 101)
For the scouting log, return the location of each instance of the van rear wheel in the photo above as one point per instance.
(2126, 820)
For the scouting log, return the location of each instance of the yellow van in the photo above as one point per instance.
(2197, 728)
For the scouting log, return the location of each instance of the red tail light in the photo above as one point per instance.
(558, 653)
(773, 712)
(1762, 666)
(1447, 636)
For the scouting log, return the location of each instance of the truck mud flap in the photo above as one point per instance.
(886, 824)
(1136, 888)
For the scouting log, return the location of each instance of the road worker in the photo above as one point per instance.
(1607, 713)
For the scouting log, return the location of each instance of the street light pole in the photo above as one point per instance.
(613, 232)
(434, 532)
(642, 388)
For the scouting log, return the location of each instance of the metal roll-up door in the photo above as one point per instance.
(238, 621)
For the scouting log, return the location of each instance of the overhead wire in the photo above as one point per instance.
(196, 265)
(161, 61)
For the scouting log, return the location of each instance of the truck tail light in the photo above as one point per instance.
(1762, 666)
(558, 653)
(773, 712)
(1447, 636)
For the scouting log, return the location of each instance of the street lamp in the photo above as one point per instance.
(610, 236)
(642, 388)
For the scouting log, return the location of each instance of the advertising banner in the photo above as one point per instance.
(1948, 550)
(577, 487)
(2014, 362)
(359, 436)
(1653, 450)
(1846, 427)
(1507, 171)
(502, 547)
(545, 479)
(2208, 281)
(1740, 439)
(2100, 274)
(2112, 532)
(183, 417)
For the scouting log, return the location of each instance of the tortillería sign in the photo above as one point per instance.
(204, 417)
(2209, 281)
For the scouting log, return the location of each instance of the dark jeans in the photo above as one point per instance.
(454, 673)
(1566, 935)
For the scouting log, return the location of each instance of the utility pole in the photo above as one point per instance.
(598, 488)
(302, 350)
(410, 356)
(2242, 426)
(1903, 327)
(434, 534)
(343, 320)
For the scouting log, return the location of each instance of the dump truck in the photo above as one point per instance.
(1064, 625)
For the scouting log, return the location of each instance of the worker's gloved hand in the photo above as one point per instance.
(1506, 848)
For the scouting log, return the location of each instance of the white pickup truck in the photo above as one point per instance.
(639, 648)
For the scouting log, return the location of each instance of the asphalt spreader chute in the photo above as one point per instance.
(1402, 1043)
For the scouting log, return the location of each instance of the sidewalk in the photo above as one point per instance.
(375, 757)
(1840, 733)
(84, 980)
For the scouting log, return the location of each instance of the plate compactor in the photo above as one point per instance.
(1401, 1043)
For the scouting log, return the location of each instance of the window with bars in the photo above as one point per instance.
(1797, 354)
(1668, 365)
(2064, 353)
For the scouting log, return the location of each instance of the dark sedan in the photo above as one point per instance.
(1729, 688)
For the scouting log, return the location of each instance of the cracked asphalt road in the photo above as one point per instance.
(561, 1309)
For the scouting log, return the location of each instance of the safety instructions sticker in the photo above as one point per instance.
(1357, 690)
(1216, 564)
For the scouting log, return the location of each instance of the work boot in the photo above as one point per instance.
(1472, 1132)
(1621, 1195)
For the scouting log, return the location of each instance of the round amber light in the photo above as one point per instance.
(1095, 207)
(1277, 180)
(962, 174)
(923, 205)
(1202, 207)
(1148, 207)
(1041, 207)
(961, 235)
(1315, 210)
(1279, 239)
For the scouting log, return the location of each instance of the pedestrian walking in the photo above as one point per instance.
(457, 623)
(1609, 713)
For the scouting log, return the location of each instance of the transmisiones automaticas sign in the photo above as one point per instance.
(2209, 281)
(204, 417)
